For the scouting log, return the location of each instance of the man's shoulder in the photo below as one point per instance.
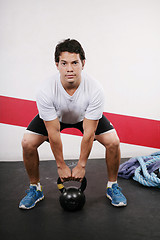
(47, 86)
(49, 81)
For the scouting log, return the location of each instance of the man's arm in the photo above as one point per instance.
(53, 129)
(89, 127)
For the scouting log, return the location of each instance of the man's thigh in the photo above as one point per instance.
(108, 138)
(105, 133)
(37, 126)
(104, 125)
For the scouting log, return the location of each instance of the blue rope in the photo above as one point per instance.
(150, 180)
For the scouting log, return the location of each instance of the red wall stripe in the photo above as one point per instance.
(16, 111)
(131, 130)
(136, 131)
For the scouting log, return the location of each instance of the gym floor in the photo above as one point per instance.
(98, 220)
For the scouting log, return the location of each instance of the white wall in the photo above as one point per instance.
(121, 39)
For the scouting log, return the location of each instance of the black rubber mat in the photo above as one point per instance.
(98, 219)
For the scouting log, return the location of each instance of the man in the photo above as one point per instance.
(70, 98)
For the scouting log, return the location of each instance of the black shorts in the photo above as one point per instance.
(37, 126)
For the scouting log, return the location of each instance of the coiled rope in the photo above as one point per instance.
(142, 175)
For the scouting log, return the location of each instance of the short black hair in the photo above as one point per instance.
(69, 45)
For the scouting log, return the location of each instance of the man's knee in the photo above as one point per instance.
(27, 143)
(114, 144)
(115, 141)
(31, 142)
(112, 141)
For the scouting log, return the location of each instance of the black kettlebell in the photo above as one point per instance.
(72, 198)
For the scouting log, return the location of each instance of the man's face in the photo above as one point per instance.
(70, 67)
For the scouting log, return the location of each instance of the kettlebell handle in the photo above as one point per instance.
(62, 188)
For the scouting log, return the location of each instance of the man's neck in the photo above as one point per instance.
(70, 88)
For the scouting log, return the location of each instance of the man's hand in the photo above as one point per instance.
(78, 172)
(64, 172)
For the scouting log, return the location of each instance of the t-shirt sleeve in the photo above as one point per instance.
(95, 108)
(45, 106)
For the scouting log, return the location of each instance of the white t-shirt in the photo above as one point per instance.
(86, 102)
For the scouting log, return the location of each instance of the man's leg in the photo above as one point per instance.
(30, 144)
(111, 143)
